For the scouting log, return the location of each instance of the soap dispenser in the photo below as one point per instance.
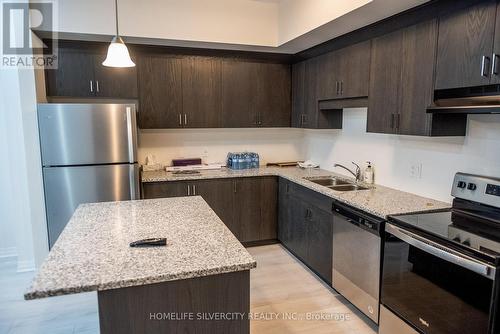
(369, 174)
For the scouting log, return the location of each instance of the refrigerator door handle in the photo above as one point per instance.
(134, 180)
(131, 134)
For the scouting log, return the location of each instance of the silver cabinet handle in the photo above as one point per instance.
(234, 186)
(484, 66)
(442, 252)
(194, 189)
(494, 64)
(180, 120)
(185, 119)
(91, 86)
(189, 190)
(337, 87)
(341, 88)
(97, 85)
(392, 121)
(398, 117)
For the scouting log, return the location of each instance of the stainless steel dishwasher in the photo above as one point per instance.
(357, 258)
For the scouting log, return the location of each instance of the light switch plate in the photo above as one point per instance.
(416, 170)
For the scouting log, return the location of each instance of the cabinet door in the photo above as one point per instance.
(160, 92)
(238, 94)
(268, 224)
(298, 94)
(354, 70)
(311, 98)
(297, 239)
(419, 52)
(202, 92)
(328, 76)
(495, 57)
(247, 208)
(465, 39)
(320, 242)
(219, 194)
(273, 95)
(256, 208)
(74, 76)
(385, 82)
(115, 82)
(284, 212)
(164, 190)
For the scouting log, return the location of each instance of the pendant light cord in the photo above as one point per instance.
(116, 17)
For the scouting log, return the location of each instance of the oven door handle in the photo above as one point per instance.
(442, 252)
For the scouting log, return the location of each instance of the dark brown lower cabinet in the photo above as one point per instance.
(256, 208)
(306, 227)
(164, 189)
(248, 206)
(220, 196)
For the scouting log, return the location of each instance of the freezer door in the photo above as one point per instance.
(67, 187)
(87, 134)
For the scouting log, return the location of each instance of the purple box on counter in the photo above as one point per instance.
(186, 162)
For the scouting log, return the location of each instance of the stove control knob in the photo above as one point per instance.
(461, 184)
(472, 186)
(457, 239)
(466, 243)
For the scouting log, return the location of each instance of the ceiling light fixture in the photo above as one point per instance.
(118, 55)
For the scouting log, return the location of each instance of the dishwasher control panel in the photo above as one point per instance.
(359, 218)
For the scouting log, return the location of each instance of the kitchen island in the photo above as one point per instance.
(199, 282)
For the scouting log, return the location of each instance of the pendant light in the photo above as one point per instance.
(118, 55)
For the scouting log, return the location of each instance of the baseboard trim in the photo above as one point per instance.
(24, 266)
(8, 252)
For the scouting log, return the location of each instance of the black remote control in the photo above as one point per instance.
(152, 242)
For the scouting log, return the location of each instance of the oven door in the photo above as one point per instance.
(434, 288)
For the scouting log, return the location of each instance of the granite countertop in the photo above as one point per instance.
(379, 200)
(93, 252)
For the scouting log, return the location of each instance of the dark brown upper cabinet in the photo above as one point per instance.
(160, 92)
(466, 56)
(80, 73)
(184, 91)
(337, 75)
(255, 94)
(344, 73)
(384, 98)
(202, 92)
(401, 88)
(305, 94)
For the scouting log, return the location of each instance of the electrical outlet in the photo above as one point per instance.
(416, 170)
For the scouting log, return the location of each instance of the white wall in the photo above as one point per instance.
(7, 228)
(287, 26)
(248, 22)
(24, 217)
(297, 17)
(441, 158)
(213, 144)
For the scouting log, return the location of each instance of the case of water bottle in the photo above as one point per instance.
(242, 160)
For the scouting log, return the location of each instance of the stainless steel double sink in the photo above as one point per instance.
(336, 184)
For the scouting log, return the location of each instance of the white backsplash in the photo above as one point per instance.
(420, 165)
(212, 145)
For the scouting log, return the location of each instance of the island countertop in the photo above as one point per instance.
(93, 253)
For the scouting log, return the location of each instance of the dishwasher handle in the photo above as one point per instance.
(442, 252)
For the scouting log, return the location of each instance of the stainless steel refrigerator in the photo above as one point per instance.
(89, 154)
